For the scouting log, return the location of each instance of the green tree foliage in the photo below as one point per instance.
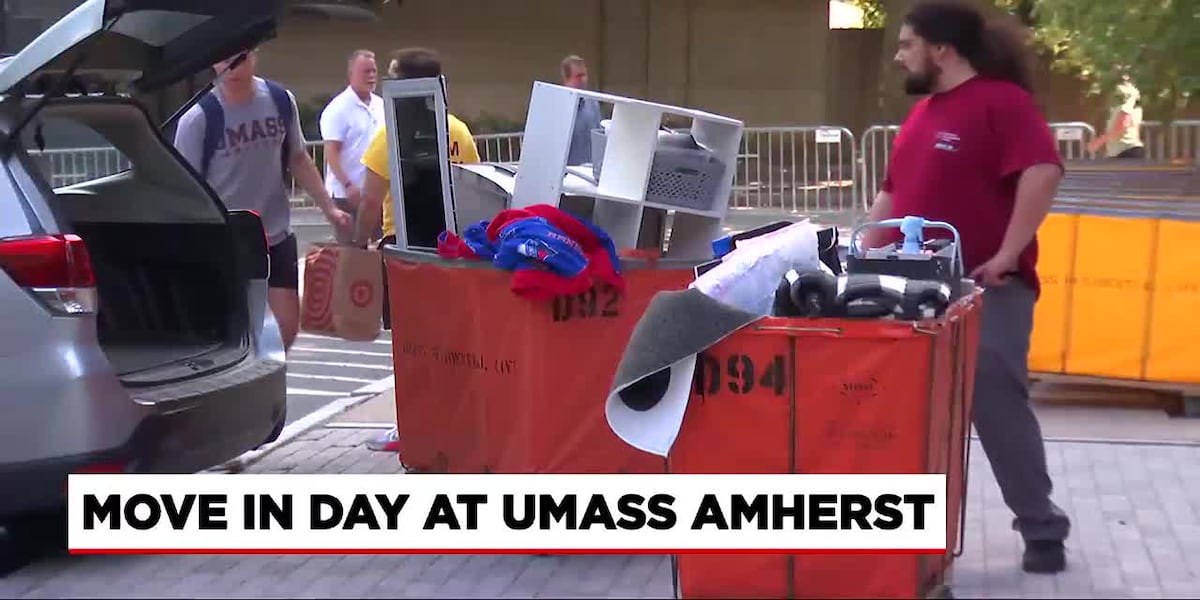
(874, 15)
(1155, 42)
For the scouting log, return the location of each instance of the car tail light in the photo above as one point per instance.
(102, 468)
(55, 269)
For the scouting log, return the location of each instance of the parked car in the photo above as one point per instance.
(136, 333)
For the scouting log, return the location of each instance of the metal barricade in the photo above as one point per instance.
(1073, 138)
(316, 150)
(499, 147)
(493, 147)
(801, 169)
(823, 171)
(873, 161)
(1178, 143)
(68, 166)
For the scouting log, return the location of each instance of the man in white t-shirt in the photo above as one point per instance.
(346, 126)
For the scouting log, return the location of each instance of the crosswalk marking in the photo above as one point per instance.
(306, 392)
(321, 367)
(317, 336)
(330, 377)
(313, 349)
(324, 363)
(353, 425)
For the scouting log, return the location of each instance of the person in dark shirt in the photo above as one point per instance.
(975, 151)
(575, 75)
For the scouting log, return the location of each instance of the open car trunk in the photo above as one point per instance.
(172, 293)
(171, 276)
(170, 303)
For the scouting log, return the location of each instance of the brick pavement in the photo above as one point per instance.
(1136, 534)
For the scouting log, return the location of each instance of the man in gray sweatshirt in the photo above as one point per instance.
(575, 75)
(241, 139)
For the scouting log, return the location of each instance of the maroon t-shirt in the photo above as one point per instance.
(957, 158)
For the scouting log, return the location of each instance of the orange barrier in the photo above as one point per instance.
(488, 382)
(831, 396)
(1119, 297)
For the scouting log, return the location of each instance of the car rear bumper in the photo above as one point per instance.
(195, 428)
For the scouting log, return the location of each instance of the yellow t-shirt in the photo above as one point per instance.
(462, 150)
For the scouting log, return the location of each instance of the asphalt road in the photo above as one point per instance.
(323, 369)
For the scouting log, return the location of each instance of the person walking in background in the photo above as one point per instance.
(977, 152)
(409, 63)
(1122, 137)
(575, 75)
(347, 124)
(244, 138)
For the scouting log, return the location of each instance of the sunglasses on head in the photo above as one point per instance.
(240, 58)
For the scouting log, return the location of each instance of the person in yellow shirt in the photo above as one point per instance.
(376, 195)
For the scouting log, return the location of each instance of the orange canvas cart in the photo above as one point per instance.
(489, 382)
(833, 396)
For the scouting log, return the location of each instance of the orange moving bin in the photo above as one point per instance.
(489, 382)
(830, 396)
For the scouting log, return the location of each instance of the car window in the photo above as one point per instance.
(71, 152)
(24, 20)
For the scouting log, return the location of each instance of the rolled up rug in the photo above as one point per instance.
(650, 390)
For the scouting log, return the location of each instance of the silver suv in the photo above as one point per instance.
(134, 329)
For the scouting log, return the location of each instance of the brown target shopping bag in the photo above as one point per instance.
(343, 292)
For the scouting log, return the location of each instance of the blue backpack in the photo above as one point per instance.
(214, 124)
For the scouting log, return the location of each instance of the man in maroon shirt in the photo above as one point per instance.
(976, 152)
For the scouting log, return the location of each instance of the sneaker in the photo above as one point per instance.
(1044, 556)
(388, 442)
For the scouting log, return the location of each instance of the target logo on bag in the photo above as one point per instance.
(361, 293)
(320, 267)
(343, 287)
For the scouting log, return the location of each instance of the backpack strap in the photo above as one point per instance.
(214, 129)
(283, 104)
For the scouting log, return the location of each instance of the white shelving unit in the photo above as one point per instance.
(620, 193)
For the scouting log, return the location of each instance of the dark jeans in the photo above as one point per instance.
(387, 313)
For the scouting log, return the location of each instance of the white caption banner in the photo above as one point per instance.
(506, 513)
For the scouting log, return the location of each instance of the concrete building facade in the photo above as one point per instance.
(768, 62)
(763, 60)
